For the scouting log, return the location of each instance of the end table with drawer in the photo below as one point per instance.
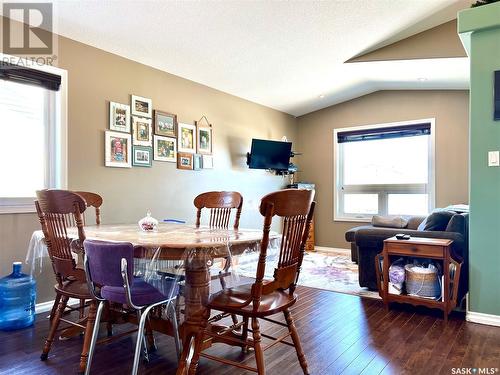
(417, 247)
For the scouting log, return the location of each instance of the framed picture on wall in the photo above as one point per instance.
(187, 138)
(165, 124)
(207, 162)
(165, 149)
(142, 106)
(142, 133)
(142, 156)
(204, 138)
(119, 117)
(185, 160)
(117, 152)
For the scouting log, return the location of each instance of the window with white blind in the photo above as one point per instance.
(32, 141)
(384, 169)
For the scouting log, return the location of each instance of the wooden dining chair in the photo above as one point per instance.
(220, 204)
(264, 298)
(57, 208)
(91, 200)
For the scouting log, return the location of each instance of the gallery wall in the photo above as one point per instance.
(315, 141)
(96, 77)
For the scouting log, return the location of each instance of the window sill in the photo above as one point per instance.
(17, 209)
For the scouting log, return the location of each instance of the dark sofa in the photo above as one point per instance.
(367, 241)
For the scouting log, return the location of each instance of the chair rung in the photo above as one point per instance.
(73, 323)
(214, 335)
(279, 340)
(275, 322)
(275, 340)
(228, 362)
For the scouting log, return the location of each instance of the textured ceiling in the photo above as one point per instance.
(282, 54)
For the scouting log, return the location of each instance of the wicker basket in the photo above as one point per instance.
(422, 284)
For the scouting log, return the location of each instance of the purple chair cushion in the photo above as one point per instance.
(141, 292)
(105, 259)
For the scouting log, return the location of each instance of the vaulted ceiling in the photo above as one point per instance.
(286, 55)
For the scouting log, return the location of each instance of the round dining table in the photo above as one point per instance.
(196, 248)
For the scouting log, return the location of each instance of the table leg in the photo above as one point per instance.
(196, 294)
(88, 335)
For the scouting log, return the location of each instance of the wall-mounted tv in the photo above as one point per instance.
(269, 155)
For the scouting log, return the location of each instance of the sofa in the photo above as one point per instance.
(367, 241)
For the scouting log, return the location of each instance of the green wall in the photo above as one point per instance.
(479, 29)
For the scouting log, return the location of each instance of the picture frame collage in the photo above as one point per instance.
(139, 135)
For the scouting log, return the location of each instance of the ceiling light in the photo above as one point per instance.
(321, 96)
(421, 79)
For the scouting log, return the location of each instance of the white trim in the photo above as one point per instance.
(337, 171)
(488, 319)
(58, 144)
(43, 307)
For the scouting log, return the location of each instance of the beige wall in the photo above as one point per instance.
(95, 77)
(315, 136)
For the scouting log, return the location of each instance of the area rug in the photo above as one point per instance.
(329, 271)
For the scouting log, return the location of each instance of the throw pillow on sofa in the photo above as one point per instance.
(389, 221)
(438, 221)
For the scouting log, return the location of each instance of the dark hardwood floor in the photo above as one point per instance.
(341, 334)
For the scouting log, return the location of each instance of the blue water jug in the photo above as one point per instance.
(17, 299)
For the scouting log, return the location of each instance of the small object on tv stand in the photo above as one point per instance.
(301, 185)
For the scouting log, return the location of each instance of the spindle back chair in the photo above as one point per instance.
(57, 210)
(263, 298)
(220, 203)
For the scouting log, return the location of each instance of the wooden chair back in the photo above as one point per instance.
(220, 203)
(92, 200)
(296, 208)
(57, 210)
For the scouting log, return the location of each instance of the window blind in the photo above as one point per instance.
(401, 131)
(21, 74)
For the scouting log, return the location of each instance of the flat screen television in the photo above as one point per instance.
(269, 155)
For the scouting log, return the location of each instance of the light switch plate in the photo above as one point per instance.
(493, 158)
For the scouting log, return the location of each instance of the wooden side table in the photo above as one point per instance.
(415, 247)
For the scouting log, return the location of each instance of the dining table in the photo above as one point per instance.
(194, 250)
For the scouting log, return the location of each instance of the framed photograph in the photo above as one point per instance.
(119, 117)
(165, 124)
(142, 106)
(185, 160)
(165, 149)
(207, 162)
(197, 162)
(187, 138)
(204, 140)
(142, 132)
(118, 148)
(142, 156)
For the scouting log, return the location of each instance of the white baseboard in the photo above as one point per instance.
(330, 249)
(47, 306)
(488, 319)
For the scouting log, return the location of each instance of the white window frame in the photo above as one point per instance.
(57, 133)
(382, 190)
